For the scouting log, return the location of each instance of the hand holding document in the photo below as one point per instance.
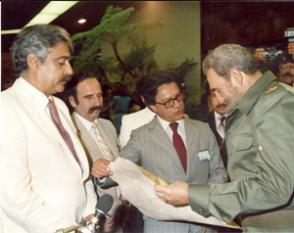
(138, 189)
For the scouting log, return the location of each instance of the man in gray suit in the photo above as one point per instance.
(155, 146)
(97, 135)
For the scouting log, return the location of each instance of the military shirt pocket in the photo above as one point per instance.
(242, 142)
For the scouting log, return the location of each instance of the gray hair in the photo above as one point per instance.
(227, 56)
(36, 39)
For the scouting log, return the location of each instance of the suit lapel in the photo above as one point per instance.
(42, 119)
(162, 137)
(89, 144)
(108, 138)
(191, 138)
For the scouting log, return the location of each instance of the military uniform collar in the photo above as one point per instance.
(249, 99)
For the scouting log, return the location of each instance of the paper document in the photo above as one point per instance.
(138, 189)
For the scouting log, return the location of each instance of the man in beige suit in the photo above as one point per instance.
(98, 135)
(42, 174)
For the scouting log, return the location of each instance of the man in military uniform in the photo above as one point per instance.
(260, 152)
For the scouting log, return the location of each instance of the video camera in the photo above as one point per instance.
(289, 33)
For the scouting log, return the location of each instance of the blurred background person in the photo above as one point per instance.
(121, 103)
(216, 119)
(137, 119)
(285, 65)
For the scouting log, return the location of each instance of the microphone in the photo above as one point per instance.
(103, 205)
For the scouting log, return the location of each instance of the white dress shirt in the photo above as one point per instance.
(219, 128)
(168, 130)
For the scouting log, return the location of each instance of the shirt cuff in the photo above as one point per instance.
(199, 199)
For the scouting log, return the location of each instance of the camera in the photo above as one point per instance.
(289, 33)
(272, 54)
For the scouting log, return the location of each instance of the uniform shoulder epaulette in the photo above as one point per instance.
(271, 88)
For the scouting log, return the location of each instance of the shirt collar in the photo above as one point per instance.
(86, 123)
(217, 116)
(248, 100)
(165, 124)
(40, 98)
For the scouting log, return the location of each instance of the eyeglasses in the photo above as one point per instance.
(170, 103)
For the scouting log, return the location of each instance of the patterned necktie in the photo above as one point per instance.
(66, 137)
(179, 145)
(104, 148)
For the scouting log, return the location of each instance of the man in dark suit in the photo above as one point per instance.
(217, 120)
(154, 146)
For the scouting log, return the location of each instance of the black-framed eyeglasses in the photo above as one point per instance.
(170, 103)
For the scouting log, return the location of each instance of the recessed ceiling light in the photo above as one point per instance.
(50, 12)
(82, 21)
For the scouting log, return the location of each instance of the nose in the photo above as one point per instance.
(220, 99)
(97, 100)
(177, 103)
(69, 70)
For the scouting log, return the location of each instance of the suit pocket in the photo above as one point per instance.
(242, 142)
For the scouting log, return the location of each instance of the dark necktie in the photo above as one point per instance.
(179, 145)
(222, 129)
(56, 119)
(222, 121)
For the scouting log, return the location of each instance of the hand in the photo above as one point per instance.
(175, 194)
(291, 48)
(101, 168)
(89, 217)
(108, 224)
(259, 54)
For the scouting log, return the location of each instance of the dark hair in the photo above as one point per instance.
(36, 39)
(120, 89)
(149, 84)
(227, 56)
(71, 86)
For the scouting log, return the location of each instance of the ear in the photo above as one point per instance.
(153, 108)
(33, 61)
(142, 99)
(72, 101)
(236, 77)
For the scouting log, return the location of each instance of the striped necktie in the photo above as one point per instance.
(103, 146)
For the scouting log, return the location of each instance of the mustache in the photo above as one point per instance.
(287, 74)
(66, 78)
(95, 108)
(221, 105)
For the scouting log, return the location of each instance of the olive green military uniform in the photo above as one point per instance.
(260, 144)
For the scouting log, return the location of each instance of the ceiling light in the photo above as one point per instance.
(50, 12)
(82, 21)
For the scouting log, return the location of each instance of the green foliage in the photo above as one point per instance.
(88, 44)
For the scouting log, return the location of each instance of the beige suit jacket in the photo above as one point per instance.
(109, 135)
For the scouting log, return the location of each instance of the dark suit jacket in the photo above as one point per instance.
(210, 119)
